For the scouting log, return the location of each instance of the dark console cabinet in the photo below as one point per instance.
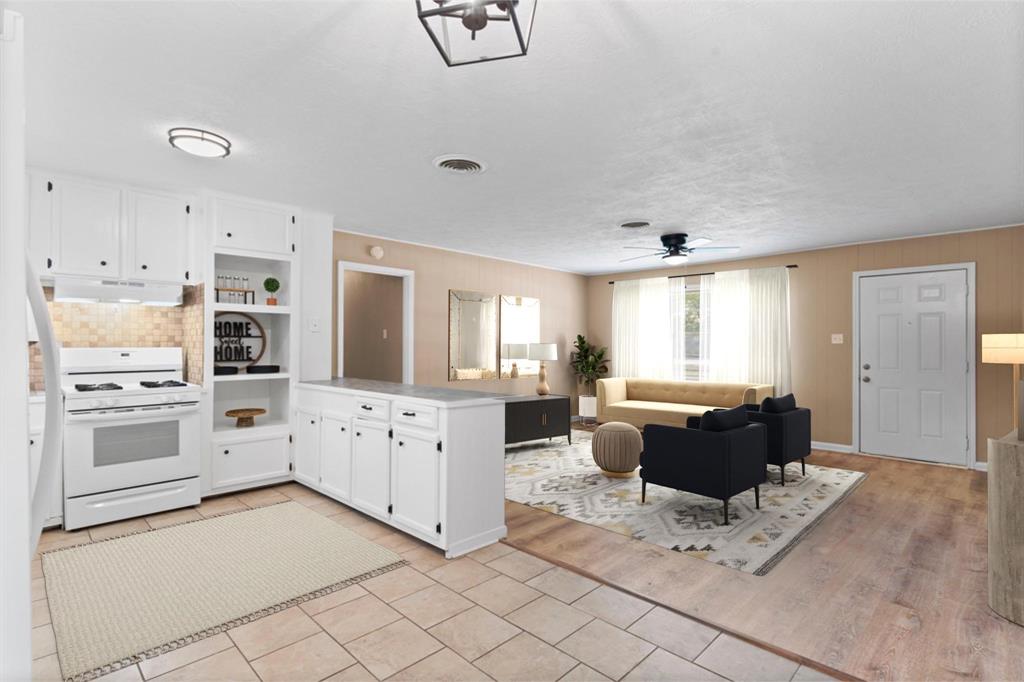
(534, 417)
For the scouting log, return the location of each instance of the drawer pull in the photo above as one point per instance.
(408, 414)
(227, 452)
(367, 408)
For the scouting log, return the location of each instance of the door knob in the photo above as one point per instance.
(867, 366)
(866, 380)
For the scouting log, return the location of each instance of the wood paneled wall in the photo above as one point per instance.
(563, 305)
(822, 304)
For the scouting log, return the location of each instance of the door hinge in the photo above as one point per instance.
(391, 433)
(49, 186)
(293, 220)
(391, 509)
(438, 528)
(293, 248)
(968, 447)
(439, 446)
(290, 466)
(186, 274)
(49, 263)
(188, 209)
(289, 438)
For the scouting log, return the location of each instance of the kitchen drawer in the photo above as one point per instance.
(90, 510)
(372, 408)
(412, 414)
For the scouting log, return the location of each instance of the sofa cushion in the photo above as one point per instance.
(640, 412)
(685, 392)
(724, 420)
(786, 403)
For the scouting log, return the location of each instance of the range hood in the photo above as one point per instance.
(98, 290)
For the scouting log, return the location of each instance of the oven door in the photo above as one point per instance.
(120, 449)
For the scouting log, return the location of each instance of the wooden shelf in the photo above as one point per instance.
(264, 427)
(250, 377)
(252, 309)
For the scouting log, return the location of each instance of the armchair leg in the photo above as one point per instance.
(643, 492)
(782, 474)
(757, 497)
(803, 467)
(725, 511)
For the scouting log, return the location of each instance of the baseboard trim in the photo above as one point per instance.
(980, 466)
(831, 447)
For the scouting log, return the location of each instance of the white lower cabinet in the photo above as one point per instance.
(432, 468)
(239, 460)
(336, 456)
(371, 466)
(415, 480)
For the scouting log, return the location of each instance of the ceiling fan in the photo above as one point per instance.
(676, 250)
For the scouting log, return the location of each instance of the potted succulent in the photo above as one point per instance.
(272, 286)
(589, 364)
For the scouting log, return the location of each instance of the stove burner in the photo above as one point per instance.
(169, 383)
(97, 387)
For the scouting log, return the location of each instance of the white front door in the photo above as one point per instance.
(913, 365)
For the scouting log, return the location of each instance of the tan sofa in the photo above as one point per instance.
(655, 401)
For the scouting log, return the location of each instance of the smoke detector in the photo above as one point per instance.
(460, 164)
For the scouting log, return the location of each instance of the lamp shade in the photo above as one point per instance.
(514, 351)
(1003, 349)
(543, 351)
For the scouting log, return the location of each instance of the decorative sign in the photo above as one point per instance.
(239, 337)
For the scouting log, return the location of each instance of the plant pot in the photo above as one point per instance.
(271, 300)
(588, 407)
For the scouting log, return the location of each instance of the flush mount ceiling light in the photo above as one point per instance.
(467, 32)
(199, 142)
(675, 258)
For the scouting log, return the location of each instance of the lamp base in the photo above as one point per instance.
(514, 372)
(542, 380)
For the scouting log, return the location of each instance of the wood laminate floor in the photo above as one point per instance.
(891, 585)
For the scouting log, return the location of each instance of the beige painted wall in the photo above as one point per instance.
(373, 303)
(822, 304)
(562, 300)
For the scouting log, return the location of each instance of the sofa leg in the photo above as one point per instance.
(643, 492)
(757, 497)
(803, 467)
(725, 511)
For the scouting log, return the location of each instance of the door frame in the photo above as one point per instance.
(408, 299)
(971, 460)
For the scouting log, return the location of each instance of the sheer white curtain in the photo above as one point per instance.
(641, 340)
(745, 327)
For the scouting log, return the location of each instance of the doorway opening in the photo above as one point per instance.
(914, 363)
(375, 322)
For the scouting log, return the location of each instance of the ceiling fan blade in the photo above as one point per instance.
(646, 255)
(715, 248)
(697, 242)
(645, 248)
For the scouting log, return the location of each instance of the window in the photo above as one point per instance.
(684, 313)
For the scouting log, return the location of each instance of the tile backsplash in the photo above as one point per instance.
(101, 325)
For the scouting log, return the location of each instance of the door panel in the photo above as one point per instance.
(371, 466)
(157, 237)
(336, 456)
(913, 373)
(307, 448)
(416, 477)
(40, 222)
(88, 224)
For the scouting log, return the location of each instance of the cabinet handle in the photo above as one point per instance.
(312, 421)
(408, 414)
(367, 408)
(31, 441)
(227, 452)
(103, 262)
(145, 267)
(342, 429)
(229, 235)
(358, 433)
(401, 443)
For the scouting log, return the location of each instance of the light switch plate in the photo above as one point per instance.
(837, 338)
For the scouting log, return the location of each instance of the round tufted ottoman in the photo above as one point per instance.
(616, 448)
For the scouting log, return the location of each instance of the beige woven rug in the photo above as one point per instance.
(117, 601)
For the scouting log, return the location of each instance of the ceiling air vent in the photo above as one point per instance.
(460, 165)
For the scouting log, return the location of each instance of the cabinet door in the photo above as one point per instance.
(254, 227)
(307, 448)
(416, 480)
(371, 459)
(336, 456)
(250, 461)
(40, 222)
(157, 237)
(87, 225)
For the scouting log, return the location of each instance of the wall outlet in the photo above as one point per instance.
(384, 333)
(837, 338)
(314, 325)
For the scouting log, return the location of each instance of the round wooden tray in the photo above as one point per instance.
(246, 415)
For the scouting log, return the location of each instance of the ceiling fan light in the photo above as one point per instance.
(675, 258)
(199, 142)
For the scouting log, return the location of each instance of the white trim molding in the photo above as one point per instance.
(408, 304)
(832, 447)
(972, 342)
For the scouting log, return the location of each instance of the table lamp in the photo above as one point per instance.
(513, 352)
(1007, 349)
(543, 352)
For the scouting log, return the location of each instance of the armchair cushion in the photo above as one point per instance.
(724, 420)
(786, 403)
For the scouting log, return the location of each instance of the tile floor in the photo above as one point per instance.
(497, 613)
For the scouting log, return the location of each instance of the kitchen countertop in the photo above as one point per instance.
(433, 393)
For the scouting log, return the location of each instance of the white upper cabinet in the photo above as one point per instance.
(252, 226)
(156, 236)
(40, 222)
(87, 228)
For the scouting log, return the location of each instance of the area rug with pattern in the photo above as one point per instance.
(563, 479)
(116, 601)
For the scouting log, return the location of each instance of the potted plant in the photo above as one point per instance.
(272, 286)
(589, 364)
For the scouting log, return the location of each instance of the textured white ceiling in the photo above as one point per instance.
(773, 126)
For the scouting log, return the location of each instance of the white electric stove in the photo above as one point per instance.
(131, 434)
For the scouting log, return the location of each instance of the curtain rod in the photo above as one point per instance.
(701, 274)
